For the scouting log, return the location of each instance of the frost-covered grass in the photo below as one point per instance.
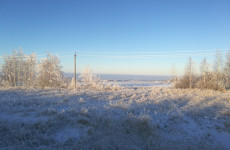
(128, 118)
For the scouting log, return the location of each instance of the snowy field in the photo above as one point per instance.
(138, 83)
(131, 118)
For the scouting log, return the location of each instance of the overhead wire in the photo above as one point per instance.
(109, 54)
(136, 52)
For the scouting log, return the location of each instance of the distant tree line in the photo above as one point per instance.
(216, 78)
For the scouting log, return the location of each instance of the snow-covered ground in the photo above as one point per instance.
(129, 118)
(138, 83)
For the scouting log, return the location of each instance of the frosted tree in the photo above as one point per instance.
(9, 68)
(18, 69)
(189, 79)
(205, 74)
(190, 73)
(218, 72)
(29, 70)
(227, 70)
(50, 73)
(174, 74)
(218, 64)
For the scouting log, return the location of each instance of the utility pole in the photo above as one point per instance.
(75, 76)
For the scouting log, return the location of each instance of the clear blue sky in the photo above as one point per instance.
(117, 36)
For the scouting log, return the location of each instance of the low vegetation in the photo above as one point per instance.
(132, 118)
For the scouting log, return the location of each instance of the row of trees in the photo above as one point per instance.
(217, 78)
(22, 70)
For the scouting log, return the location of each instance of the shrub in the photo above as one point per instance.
(50, 74)
(88, 80)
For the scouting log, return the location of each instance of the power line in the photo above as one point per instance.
(153, 52)
(118, 55)
(140, 52)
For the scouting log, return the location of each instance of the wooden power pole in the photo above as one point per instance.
(75, 76)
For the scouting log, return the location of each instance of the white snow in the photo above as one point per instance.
(138, 83)
(127, 118)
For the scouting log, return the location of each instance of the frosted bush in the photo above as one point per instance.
(88, 80)
(72, 84)
(113, 87)
(50, 74)
(4, 83)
